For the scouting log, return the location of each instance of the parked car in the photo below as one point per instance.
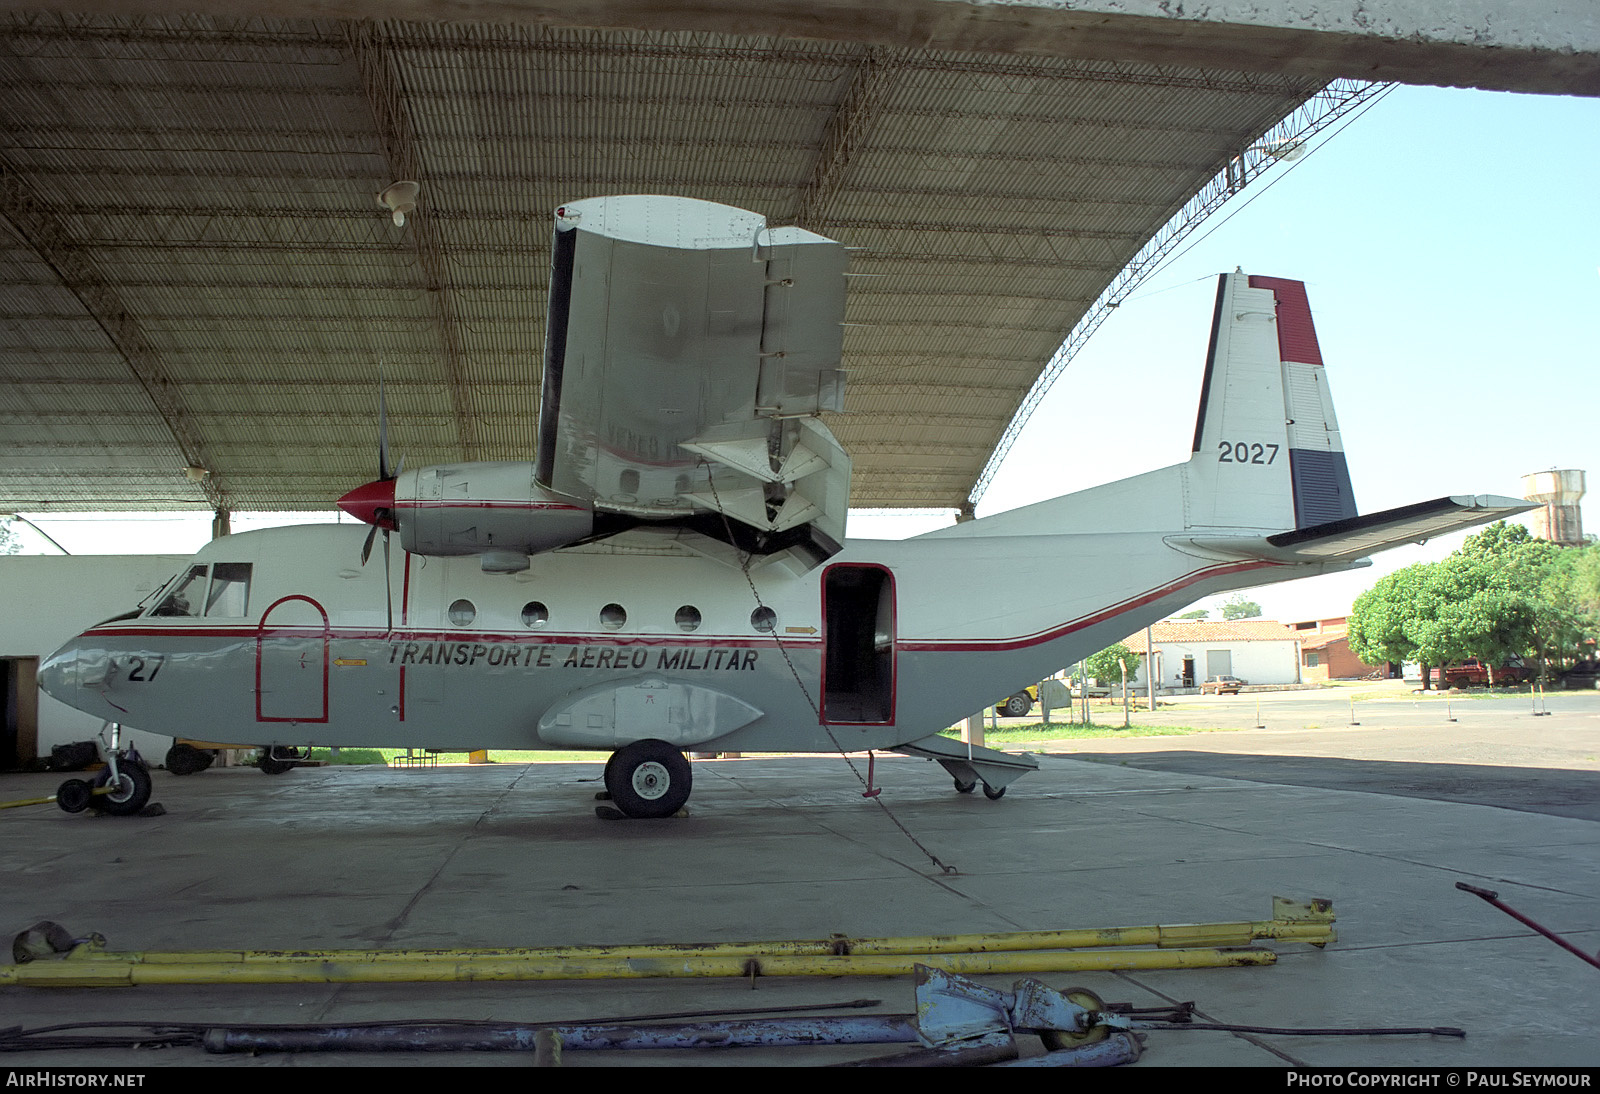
(1582, 675)
(1222, 685)
(1018, 705)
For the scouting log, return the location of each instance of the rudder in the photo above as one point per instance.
(1267, 452)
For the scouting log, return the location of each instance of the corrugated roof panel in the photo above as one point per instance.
(193, 212)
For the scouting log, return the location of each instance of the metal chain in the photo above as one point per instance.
(744, 566)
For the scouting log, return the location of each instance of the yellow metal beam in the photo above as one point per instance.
(114, 973)
(1315, 933)
(1194, 945)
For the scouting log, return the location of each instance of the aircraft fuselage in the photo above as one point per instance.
(888, 643)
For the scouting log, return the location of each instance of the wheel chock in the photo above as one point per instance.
(612, 813)
(43, 939)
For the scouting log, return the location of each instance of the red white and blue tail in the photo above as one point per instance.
(1267, 478)
(1267, 456)
(1267, 453)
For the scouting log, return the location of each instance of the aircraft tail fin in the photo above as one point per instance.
(1267, 477)
(1267, 451)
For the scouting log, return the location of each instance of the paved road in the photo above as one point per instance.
(1495, 752)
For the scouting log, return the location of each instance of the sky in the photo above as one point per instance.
(1450, 245)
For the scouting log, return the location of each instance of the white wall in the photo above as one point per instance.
(1255, 662)
(47, 599)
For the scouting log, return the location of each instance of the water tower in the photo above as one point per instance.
(1559, 492)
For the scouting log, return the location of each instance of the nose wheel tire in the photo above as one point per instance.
(129, 793)
(648, 778)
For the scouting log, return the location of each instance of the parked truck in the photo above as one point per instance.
(1473, 673)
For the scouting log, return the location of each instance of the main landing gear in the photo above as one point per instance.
(276, 759)
(647, 778)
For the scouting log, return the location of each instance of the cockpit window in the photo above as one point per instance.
(230, 589)
(227, 595)
(184, 599)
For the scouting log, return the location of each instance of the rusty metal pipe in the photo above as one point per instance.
(1494, 898)
(745, 1033)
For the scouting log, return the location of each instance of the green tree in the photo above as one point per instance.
(1568, 607)
(1104, 668)
(1522, 583)
(1198, 613)
(1394, 620)
(1237, 607)
(1485, 611)
(9, 543)
(1503, 594)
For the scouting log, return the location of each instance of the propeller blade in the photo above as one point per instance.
(388, 583)
(366, 548)
(383, 433)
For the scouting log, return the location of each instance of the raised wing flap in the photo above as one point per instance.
(803, 330)
(686, 339)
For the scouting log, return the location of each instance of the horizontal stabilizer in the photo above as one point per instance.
(1358, 537)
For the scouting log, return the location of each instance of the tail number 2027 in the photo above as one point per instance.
(1246, 452)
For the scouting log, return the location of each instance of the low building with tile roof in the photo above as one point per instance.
(1325, 652)
(1258, 651)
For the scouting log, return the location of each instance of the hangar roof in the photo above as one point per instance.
(194, 271)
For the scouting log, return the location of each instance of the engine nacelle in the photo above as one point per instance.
(491, 509)
(484, 509)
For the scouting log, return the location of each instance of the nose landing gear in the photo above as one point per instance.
(121, 790)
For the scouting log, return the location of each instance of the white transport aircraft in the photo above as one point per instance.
(671, 571)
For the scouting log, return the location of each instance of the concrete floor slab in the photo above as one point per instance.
(776, 848)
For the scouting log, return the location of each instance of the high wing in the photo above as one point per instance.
(689, 351)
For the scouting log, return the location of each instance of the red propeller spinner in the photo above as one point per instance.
(372, 504)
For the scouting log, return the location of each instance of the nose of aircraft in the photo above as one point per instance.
(372, 503)
(58, 673)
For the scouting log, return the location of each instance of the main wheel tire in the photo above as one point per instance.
(648, 778)
(131, 792)
(185, 759)
(965, 788)
(1018, 706)
(271, 766)
(993, 794)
